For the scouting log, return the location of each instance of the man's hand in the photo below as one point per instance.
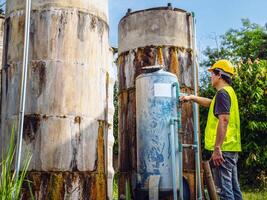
(186, 98)
(200, 100)
(217, 157)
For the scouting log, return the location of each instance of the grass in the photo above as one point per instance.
(115, 187)
(254, 195)
(10, 185)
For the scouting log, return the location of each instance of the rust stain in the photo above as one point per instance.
(174, 64)
(100, 179)
(56, 189)
(61, 185)
(21, 26)
(190, 178)
(144, 57)
(39, 70)
(93, 22)
(45, 117)
(122, 78)
(149, 57)
(75, 143)
(124, 163)
(160, 56)
(77, 120)
(30, 127)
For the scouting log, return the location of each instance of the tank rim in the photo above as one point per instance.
(161, 72)
(155, 8)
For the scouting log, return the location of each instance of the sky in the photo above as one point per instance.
(214, 17)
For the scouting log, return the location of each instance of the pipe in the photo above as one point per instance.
(173, 152)
(195, 113)
(23, 85)
(179, 146)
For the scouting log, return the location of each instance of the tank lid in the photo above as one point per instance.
(160, 72)
(169, 7)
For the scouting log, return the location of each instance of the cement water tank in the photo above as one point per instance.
(66, 112)
(155, 36)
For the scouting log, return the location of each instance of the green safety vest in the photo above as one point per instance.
(232, 140)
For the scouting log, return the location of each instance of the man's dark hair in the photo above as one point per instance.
(226, 78)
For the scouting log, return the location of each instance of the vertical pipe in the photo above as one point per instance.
(179, 149)
(23, 84)
(195, 112)
(174, 185)
(174, 145)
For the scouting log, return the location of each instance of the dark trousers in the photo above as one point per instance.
(225, 177)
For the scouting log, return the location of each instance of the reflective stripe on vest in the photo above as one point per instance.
(232, 140)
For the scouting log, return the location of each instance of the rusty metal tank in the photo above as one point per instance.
(156, 36)
(66, 115)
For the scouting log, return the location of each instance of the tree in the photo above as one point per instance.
(247, 43)
(247, 49)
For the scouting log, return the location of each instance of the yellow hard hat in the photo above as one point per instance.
(224, 65)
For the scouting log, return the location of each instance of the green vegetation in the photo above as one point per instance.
(255, 195)
(115, 120)
(247, 49)
(115, 187)
(10, 185)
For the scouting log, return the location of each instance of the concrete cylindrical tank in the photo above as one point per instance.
(157, 36)
(155, 106)
(66, 115)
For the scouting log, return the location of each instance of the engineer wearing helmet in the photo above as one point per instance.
(222, 133)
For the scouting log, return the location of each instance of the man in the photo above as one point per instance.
(222, 133)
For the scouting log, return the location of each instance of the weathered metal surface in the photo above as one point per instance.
(154, 109)
(137, 49)
(66, 114)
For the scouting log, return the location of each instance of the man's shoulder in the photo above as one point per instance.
(222, 92)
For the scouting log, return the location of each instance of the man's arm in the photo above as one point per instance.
(200, 100)
(221, 132)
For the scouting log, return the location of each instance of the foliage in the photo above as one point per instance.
(10, 185)
(247, 43)
(247, 49)
(250, 85)
(115, 120)
(115, 187)
(128, 190)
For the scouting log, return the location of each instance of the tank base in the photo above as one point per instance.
(141, 194)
